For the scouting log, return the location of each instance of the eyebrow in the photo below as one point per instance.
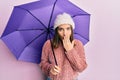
(63, 28)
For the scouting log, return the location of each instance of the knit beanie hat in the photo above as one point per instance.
(63, 19)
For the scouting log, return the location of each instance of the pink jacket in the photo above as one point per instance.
(71, 62)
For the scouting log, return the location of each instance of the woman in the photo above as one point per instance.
(69, 52)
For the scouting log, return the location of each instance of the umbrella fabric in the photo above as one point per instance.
(30, 25)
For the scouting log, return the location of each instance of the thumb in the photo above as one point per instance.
(73, 42)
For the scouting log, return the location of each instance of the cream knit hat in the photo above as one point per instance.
(63, 19)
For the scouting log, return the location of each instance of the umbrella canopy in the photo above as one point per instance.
(30, 25)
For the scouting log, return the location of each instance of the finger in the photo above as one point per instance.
(66, 37)
(73, 42)
(57, 71)
(56, 67)
(66, 40)
(54, 73)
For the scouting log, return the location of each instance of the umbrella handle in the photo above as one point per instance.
(53, 52)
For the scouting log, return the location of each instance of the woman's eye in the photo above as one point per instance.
(60, 29)
(68, 28)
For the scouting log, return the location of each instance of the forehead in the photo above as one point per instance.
(64, 26)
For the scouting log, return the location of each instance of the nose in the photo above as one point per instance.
(64, 32)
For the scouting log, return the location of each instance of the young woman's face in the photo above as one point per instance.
(64, 31)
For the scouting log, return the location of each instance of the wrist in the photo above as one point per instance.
(68, 49)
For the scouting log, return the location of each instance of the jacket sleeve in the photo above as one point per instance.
(76, 57)
(45, 64)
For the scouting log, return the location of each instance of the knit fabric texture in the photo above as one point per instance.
(64, 18)
(72, 62)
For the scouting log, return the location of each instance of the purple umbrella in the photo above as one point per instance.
(30, 25)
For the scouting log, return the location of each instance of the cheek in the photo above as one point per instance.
(69, 33)
(60, 34)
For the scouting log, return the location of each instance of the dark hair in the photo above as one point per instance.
(56, 40)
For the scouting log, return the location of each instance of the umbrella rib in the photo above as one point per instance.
(34, 39)
(52, 13)
(80, 15)
(82, 36)
(33, 16)
(27, 29)
(23, 30)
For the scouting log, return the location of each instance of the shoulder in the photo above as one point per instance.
(47, 43)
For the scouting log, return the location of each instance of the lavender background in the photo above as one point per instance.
(102, 52)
